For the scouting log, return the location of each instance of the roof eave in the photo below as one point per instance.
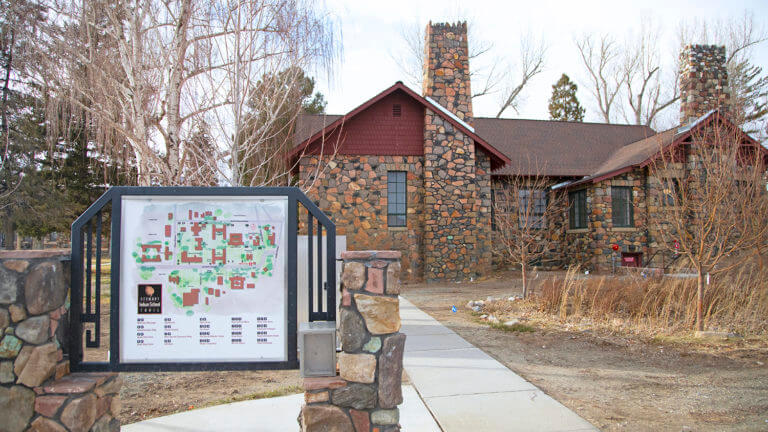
(498, 159)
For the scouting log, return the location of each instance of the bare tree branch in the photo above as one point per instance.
(532, 57)
(164, 73)
(600, 59)
(526, 216)
(714, 205)
(648, 91)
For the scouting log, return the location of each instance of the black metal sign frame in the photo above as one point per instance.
(85, 288)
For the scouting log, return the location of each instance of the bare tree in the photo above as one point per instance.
(410, 59)
(492, 77)
(151, 70)
(531, 57)
(717, 207)
(648, 90)
(601, 58)
(526, 220)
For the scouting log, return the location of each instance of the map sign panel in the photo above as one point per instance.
(203, 279)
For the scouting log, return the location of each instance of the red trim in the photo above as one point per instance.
(677, 141)
(715, 116)
(501, 158)
(613, 173)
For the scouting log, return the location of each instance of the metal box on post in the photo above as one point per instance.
(317, 349)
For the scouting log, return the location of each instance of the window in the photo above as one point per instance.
(578, 209)
(493, 209)
(621, 206)
(500, 208)
(397, 110)
(533, 206)
(396, 203)
(670, 192)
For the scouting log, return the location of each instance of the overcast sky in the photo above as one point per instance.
(372, 36)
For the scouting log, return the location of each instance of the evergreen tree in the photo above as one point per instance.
(265, 163)
(563, 105)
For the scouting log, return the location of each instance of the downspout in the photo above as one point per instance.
(648, 238)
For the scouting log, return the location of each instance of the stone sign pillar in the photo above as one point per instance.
(365, 395)
(37, 392)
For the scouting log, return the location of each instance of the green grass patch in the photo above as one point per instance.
(519, 328)
(282, 391)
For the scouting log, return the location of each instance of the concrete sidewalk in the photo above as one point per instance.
(270, 415)
(466, 389)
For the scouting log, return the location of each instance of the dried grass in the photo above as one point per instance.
(734, 302)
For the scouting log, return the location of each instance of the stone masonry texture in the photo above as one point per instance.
(366, 394)
(457, 205)
(449, 232)
(446, 68)
(36, 390)
(592, 247)
(703, 81)
(353, 192)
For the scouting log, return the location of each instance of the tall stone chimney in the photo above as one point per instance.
(446, 68)
(703, 81)
(457, 175)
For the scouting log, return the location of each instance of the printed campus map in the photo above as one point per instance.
(203, 279)
(205, 254)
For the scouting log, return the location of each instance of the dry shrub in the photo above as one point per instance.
(499, 308)
(735, 301)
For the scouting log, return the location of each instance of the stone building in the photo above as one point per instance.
(415, 172)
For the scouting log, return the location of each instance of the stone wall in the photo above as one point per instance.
(446, 68)
(703, 81)
(365, 395)
(656, 183)
(353, 193)
(457, 223)
(37, 392)
(552, 237)
(592, 247)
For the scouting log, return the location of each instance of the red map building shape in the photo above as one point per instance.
(236, 282)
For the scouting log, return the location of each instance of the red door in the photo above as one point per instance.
(631, 259)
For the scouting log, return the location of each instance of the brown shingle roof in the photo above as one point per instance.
(497, 157)
(636, 153)
(309, 124)
(556, 148)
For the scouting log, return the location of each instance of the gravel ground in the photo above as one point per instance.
(619, 383)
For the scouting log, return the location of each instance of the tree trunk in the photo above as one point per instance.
(173, 98)
(8, 231)
(700, 301)
(525, 280)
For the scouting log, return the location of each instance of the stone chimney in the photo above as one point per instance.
(446, 68)
(703, 81)
(457, 176)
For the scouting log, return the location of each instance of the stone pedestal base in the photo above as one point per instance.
(81, 402)
(37, 392)
(365, 395)
(334, 404)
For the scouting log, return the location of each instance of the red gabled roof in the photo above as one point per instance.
(642, 153)
(498, 158)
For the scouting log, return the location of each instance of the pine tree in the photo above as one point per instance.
(263, 168)
(563, 105)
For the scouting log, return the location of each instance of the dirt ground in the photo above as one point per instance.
(148, 395)
(155, 394)
(615, 382)
(618, 383)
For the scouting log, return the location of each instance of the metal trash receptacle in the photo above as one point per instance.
(317, 349)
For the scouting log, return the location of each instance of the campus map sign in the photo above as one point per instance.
(203, 279)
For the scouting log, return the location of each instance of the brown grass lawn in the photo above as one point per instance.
(614, 377)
